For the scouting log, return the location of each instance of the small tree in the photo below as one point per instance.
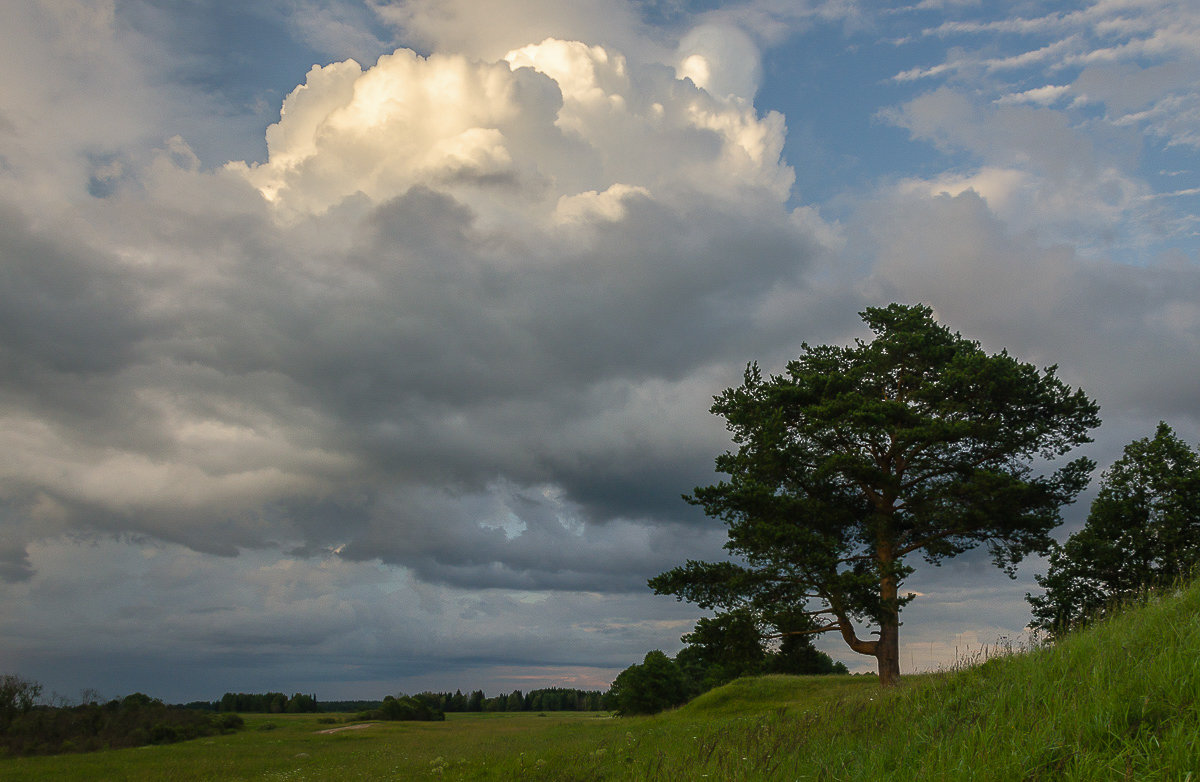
(730, 645)
(798, 656)
(1143, 531)
(721, 649)
(656, 684)
(406, 707)
(917, 442)
(300, 703)
(17, 696)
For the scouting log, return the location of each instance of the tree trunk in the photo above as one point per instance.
(888, 652)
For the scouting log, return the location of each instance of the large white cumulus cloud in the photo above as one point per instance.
(550, 121)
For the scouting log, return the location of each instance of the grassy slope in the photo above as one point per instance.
(1120, 701)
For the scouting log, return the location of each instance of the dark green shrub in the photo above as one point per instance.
(656, 684)
(228, 722)
(404, 707)
(132, 721)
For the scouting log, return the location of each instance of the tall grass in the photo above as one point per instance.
(1119, 701)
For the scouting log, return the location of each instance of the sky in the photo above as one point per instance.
(367, 346)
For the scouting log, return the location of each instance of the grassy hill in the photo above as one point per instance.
(1119, 701)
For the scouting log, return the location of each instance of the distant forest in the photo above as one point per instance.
(549, 699)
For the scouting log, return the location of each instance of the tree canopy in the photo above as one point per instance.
(732, 644)
(1143, 531)
(656, 684)
(916, 442)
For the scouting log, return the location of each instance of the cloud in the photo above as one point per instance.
(1041, 96)
(1124, 333)
(721, 59)
(1038, 172)
(436, 349)
(551, 120)
(264, 622)
(80, 48)
(1139, 53)
(460, 320)
(487, 31)
(336, 29)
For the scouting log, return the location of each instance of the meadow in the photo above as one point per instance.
(1119, 701)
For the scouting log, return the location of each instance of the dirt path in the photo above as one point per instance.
(360, 726)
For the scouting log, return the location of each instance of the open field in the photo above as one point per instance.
(301, 746)
(1119, 701)
(554, 745)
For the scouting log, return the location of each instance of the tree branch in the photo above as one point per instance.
(859, 558)
(951, 467)
(911, 547)
(843, 624)
(814, 631)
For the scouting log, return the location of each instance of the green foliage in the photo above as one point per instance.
(721, 649)
(1143, 532)
(138, 700)
(917, 442)
(404, 707)
(656, 684)
(547, 699)
(268, 703)
(349, 706)
(132, 721)
(17, 696)
(564, 699)
(799, 657)
(300, 703)
(732, 645)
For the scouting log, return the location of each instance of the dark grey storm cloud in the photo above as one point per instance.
(489, 402)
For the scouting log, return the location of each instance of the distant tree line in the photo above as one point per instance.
(547, 699)
(434, 705)
(30, 728)
(267, 703)
(342, 707)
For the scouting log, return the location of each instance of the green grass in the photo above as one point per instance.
(1119, 701)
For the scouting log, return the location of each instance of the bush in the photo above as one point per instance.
(656, 684)
(227, 723)
(404, 707)
(17, 696)
(132, 721)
